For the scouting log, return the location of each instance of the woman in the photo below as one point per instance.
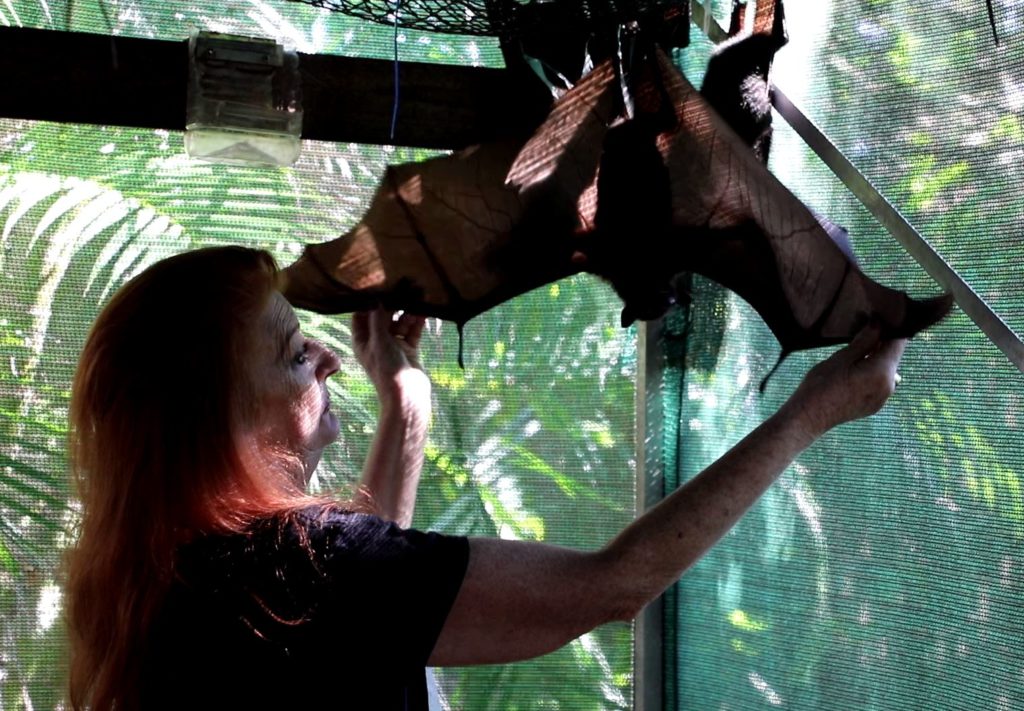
(205, 576)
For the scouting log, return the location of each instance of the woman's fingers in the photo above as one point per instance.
(380, 323)
(360, 328)
(885, 360)
(866, 341)
(386, 343)
(890, 352)
(409, 328)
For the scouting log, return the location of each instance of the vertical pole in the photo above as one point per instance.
(648, 657)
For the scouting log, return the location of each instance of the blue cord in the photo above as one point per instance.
(394, 109)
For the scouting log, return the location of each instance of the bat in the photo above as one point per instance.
(635, 199)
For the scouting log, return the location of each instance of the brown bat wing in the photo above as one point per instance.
(454, 236)
(663, 193)
(737, 224)
(559, 163)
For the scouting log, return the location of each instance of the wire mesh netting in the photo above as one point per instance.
(884, 570)
(530, 440)
(467, 18)
(499, 18)
(298, 26)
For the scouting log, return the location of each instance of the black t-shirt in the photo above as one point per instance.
(331, 610)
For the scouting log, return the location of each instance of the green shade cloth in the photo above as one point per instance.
(884, 570)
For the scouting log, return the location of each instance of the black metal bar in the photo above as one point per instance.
(984, 317)
(649, 630)
(72, 77)
(82, 78)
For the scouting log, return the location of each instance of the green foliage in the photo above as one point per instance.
(926, 182)
(522, 446)
(883, 571)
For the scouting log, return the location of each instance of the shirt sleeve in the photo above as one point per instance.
(385, 588)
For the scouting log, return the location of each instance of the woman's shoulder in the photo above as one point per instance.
(335, 530)
(339, 539)
(327, 524)
(324, 537)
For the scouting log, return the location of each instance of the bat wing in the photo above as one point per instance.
(644, 200)
(558, 165)
(454, 236)
(734, 222)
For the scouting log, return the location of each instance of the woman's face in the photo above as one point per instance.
(293, 406)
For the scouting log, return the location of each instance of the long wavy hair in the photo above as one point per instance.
(156, 452)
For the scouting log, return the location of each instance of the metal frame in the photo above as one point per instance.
(648, 641)
(74, 77)
(910, 239)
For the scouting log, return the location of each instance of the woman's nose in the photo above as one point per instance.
(327, 362)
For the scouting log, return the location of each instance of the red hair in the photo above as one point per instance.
(156, 453)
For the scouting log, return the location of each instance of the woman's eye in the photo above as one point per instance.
(303, 356)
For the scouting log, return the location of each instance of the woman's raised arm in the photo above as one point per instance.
(387, 349)
(520, 600)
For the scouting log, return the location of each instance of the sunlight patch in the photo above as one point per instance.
(48, 607)
(765, 689)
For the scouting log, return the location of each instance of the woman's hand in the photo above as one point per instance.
(388, 349)
(854, 382)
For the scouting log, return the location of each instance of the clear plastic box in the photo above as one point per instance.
(244, 101)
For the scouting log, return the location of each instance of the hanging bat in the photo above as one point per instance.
(635, 200)
(737, 86)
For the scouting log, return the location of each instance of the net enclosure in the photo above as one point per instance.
(507, 19)
(884, 571)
